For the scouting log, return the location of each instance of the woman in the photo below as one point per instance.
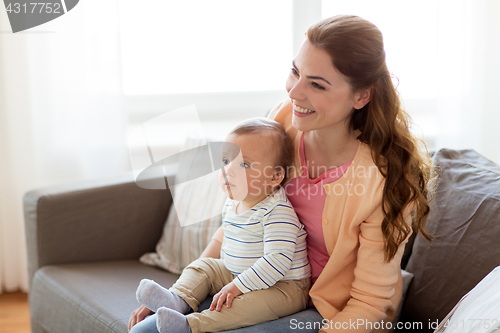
(359, 182)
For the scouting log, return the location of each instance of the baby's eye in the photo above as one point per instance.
(225, 161)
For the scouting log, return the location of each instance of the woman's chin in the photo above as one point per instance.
(300, 124)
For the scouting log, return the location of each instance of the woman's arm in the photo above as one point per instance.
(213, 248)
(367, 287)
(373, 288)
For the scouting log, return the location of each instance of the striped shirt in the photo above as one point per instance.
(265, 244)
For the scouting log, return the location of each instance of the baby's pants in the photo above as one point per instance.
(208, 276)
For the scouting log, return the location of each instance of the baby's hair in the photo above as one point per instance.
(284, 144)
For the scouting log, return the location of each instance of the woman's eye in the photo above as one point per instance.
(244, 165)
(294, 71)
(315, 85)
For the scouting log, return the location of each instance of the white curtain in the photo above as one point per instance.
(61, 117)
(468, 112)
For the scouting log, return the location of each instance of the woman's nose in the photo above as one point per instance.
(295, 90)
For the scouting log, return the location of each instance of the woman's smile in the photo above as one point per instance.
(299, 111)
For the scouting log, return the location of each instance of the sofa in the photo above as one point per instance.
(84, 241)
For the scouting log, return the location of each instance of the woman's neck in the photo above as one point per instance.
(329, 148)
(333, 141)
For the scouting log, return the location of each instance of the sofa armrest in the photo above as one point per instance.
(112, 219)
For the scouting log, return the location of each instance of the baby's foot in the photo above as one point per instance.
(168, 320)
(153, 296)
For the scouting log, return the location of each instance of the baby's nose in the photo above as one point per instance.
(230, 169)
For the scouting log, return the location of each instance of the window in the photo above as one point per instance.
(231, 58)
(224, 56)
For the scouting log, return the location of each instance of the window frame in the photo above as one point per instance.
(234, 106)
(226, 105)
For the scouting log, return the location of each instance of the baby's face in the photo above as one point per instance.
(250, 170)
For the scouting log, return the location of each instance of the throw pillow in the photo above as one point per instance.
(192, 200)
(465, 224)
(478, 310)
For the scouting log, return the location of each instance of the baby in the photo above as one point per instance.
(263, 273)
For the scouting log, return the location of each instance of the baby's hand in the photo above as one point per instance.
(225, 295)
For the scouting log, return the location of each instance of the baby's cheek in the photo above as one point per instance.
(221, 179)
(239, 177)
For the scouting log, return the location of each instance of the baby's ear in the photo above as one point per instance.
(278, 176)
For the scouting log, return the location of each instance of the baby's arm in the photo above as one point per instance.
(281, 227)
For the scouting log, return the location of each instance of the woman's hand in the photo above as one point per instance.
(226, 294)
(138, 315)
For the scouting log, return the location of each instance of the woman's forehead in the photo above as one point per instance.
(311, 57)
(316, 62)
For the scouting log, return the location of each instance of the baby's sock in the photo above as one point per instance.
(153, 296)
(170, 321)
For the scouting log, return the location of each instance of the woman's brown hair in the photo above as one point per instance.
(357, 51)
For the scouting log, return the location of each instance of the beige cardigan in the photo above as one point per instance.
(356, 284)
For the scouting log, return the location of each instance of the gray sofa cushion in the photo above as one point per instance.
(109, 219)
(91, 297)
(465, 224)
(99, 297)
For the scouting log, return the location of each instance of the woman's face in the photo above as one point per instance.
(322, 98)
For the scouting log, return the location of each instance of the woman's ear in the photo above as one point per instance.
(278, 176)
(362, 97)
